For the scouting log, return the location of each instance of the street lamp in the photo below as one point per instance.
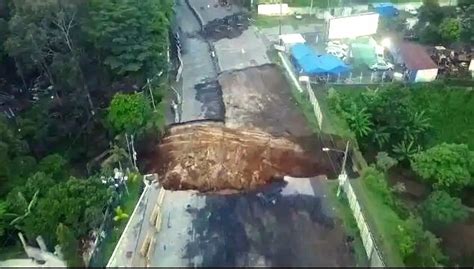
(343, 175)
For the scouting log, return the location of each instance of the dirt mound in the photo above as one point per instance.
(228, 27)
(210, 157)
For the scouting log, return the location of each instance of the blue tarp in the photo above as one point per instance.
(386, 9)
(311, 63)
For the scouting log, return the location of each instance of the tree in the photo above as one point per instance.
(421, 246)
(450, 30)
(467, 21)
(405, 150)
(76, 203)
(359, 120)
(384, 161)
(447, 166)
(54, 165)
(131, 35)
(3, 222)
(129, 113)
(440, 209)
(69, 245)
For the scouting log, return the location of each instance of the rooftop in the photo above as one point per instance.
(415, 57)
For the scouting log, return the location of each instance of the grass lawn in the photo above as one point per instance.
(343, 211)
(127, 204)
(383, 222)
(274, 21)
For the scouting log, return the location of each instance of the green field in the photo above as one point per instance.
(274, 21)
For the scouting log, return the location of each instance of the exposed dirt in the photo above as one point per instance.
(228, 27)
(207, 156)
(260, 97)
(457, 242)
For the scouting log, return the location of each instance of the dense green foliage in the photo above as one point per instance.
(440, 209)
(423, 126)
(404, 236)
(450, 29)
(447, 166)
(129, 113)
(131, 35)
(61, 62)
(438, 24)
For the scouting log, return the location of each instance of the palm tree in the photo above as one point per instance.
(404, 150)
(381, 136)
(415, 125)
(359, 120)
(120, 214)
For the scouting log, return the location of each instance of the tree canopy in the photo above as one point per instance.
(440, 209)
(61, 62)
(446, 166)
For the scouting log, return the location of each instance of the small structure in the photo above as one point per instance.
(419, 65)
(471, 68)
(310, 63)
(386, 10)
(289, 40)
(364, 51)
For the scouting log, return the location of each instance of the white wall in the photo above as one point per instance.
(353, 26)
(272, 9)
(426, 75)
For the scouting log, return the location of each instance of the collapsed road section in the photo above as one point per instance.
(222, 166)
(208, 156)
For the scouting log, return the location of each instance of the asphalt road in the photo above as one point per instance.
(197, 62)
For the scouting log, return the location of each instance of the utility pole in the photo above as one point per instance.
(281, 12)
(151, 94)
(343, 175)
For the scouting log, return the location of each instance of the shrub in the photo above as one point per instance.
(384, 161)
(441, 209)
(446, 166)
(375, 180)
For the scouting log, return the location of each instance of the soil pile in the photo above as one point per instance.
(207, 156)
(228, 27)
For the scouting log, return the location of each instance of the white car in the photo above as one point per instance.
(381, 66)
(411, 10)
(338, 52)
(338, 44)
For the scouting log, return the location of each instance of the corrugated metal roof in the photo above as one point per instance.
(415, 57)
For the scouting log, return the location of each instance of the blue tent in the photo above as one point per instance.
(386, 9)
(311, 63)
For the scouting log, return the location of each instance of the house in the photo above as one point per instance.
(418, 63)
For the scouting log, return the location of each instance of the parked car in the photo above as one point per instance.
(338, 44)
(381, 66)
(411, 10)
(338, 52)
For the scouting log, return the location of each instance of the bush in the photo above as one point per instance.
(384, 161)
(426, 251)
(441, 209)
(446, 166)
(375, 180)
